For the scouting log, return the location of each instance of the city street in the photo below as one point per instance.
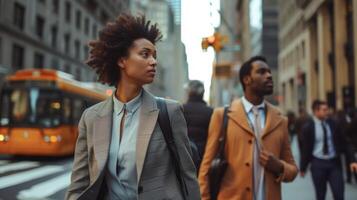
(41, 178)
(48, 178)
(302, 188)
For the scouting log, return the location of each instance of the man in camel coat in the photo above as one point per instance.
(257, 146)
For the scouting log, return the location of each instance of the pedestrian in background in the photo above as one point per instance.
(352, 137)
(257, 147)
(322, 146)
(121, 151)
(344, 120)
(197, 115)
(291, 124)
(301, 120)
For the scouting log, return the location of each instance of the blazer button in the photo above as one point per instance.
(247, 188)
(250, 141)
(247, 164)
(140, 189)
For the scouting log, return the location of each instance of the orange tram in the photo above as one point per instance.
(40, 110)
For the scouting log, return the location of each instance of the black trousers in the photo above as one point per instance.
(327, 171)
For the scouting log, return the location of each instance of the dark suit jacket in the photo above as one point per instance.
(308, 141)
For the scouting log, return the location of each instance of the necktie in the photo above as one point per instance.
(325, 144)
(258, 169)
(122, 123)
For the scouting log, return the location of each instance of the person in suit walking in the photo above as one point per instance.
(257, 146)
(322, 146)
(121, 151)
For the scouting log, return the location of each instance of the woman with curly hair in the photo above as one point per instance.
(121, 151)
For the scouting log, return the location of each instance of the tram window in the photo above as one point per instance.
(48, 109)
(66, 110)
(19, 100)
(4, 112)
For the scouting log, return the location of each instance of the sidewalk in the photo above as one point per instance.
(303, 189)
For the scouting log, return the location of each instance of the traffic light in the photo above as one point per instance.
(216, 41)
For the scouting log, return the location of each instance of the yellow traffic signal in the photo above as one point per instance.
(217, 41)
(204, 43)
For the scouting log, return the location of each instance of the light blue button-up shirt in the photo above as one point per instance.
(121, 176)
(248, 107)
(319, 141)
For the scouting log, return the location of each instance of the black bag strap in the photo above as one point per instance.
(223, 133)
(165, 125)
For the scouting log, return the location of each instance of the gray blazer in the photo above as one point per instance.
(156, 177)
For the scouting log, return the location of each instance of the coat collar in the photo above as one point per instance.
(238, 115)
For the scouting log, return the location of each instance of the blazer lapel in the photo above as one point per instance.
(102, 131)
(148, 118)
(273, 119)
(237, 114)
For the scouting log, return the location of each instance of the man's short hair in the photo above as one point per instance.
(247, 68)
(195, 88)
(316, 104)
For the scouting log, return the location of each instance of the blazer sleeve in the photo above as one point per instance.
(210, 151)
(179, 131)
(305, 146)
(290, 168)
(80, 173)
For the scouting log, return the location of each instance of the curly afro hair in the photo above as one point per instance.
(114, 42)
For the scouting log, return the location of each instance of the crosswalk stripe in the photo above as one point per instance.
(25, 176)
(17, 166)
(47, 188)
(3, 162)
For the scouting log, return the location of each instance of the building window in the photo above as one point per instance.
(38, 60)
(77, 49)
(67, 38)
(40, 24)
(86, 26)
(17, 57)
(91, 5)
(54, 31)
(78, 19)
(68, 12)
(55, 64)
(104, 17)
(19, 16)
(78, 73)
(86, 52)
(67, 68)
(55, 6)
(94, 31)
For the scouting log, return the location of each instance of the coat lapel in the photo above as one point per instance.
(102, 133)
(273, 119)
(237, 114)
(148, 117)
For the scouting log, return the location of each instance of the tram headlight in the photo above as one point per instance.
(4, 138)
(52, 138)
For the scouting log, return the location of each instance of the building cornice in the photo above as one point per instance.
(312, 8)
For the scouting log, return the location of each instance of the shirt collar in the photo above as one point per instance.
(317, 120)
(131, 106)
(249, 106)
